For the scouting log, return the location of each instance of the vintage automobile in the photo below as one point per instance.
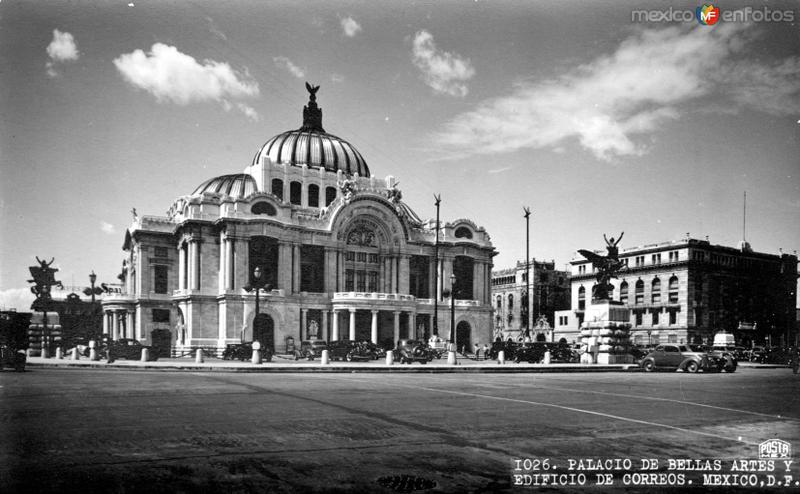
(530, 352)
(350, 350)
(409, 351)
(727, 354)
(128, 349)
(310, 349)
(244, 351)
(12, 357)
(681, 357)
(377, 351)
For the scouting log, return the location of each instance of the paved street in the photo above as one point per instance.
(94, 430)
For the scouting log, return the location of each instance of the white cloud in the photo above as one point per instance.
(337, 78)
(285, 63)
(445, 72)
(212, 27)
(249, 112)
(16, 298)
(350, 27)
(172, 76)
(107, 228)
(615, 99)
(61, 49)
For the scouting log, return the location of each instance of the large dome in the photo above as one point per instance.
(237, 186)
(310, 145)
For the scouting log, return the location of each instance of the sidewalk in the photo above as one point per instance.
(287, 364)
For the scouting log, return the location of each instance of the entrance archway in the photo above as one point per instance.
(464, 335)
(264, 331)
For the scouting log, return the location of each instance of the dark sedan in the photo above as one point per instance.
(128, 349)
(681, 357)
(350, 350)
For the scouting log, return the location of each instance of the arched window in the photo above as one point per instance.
(296, 193)
(263, 208)
(623, 292)
(330, 195)
(639, 292)
(673, 290)
(277, 188)
(655, 291)
(313, 196)
(499, 302)
(463, 232)
(582, 298)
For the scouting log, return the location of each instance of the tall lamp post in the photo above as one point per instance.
(451, 354)
(438, 199)
(93, 291)
(527, 271)
(257, 284)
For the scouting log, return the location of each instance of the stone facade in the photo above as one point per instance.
(687, 290)
(335, 251)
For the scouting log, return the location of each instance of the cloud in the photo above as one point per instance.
(107, 228)
(16, 298)
(445, 72)
(610, 103)
(175, 77)
(212, 27)
(249, 112)
(499, 170)
(61, 49)
(287, 64)
(337, 78)
(350, 27)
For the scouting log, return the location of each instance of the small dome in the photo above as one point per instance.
(237, 186)
(310, 145)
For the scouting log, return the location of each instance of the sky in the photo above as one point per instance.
(601, 117)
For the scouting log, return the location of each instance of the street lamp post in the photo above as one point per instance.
(257, 284)
(451, 355)
(438, 199)
(527, 271)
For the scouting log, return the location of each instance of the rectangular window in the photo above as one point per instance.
(373, 281)
(160, 279)
(161, 315)
(639, 298)
(361, 281)
(373, 258)
(349, 277)
(655, 318)
(160, 252)
(361, 256)
(349, 256)
(638, 318)
(673, 317)
(656, 258)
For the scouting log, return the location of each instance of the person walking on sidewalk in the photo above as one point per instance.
(477, 350)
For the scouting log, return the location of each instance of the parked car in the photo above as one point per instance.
(244, 351)
(349, 350)
(310, 349)
(377, 351)
(681, 357)
(12, 357)
(728, 354)
(757, 354)
(128, 349)
(530, 352)
(409, 351)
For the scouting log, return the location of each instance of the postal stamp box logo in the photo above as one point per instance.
(774, 448)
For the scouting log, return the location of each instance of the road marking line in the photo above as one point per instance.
(572, 409)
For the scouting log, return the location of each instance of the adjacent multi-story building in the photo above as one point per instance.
(548, 291)
(337, 251)
(687, 290)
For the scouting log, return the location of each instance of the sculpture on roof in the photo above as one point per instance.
(606, 266)
(393, 194)
(312, 115)
(347, 187)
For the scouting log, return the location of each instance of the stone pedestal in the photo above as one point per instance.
(605, 333)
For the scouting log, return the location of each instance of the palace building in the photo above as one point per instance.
(687, 290)
(311, 238)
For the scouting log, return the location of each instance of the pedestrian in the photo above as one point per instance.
(485, 351)
(477, 350)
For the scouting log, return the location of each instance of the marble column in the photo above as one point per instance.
(303, 324)
(285, 267)
(115, 325)
(335, 326)
(374, 327)
(323, 333)
(412, 325)
(182, 268)
(296, 268)
(130, 326)
(352, 324)
(396, 326)
(105, 323)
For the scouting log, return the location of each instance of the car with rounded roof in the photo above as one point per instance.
(672, 356)
(310, 349)
(410, 350)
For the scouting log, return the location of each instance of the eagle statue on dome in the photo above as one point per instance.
(312, 90)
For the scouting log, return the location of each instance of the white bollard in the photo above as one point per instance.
(451, 358)
(256, 359)
(389, 357)
(501, 357)
(145, 354)
(75, 354)
(547, 357)
(198, 356)
(59, 353)
(93, 351)
(325, 359)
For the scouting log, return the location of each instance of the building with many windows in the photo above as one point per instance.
(548, 291)
(338, 253)
(685, 291)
